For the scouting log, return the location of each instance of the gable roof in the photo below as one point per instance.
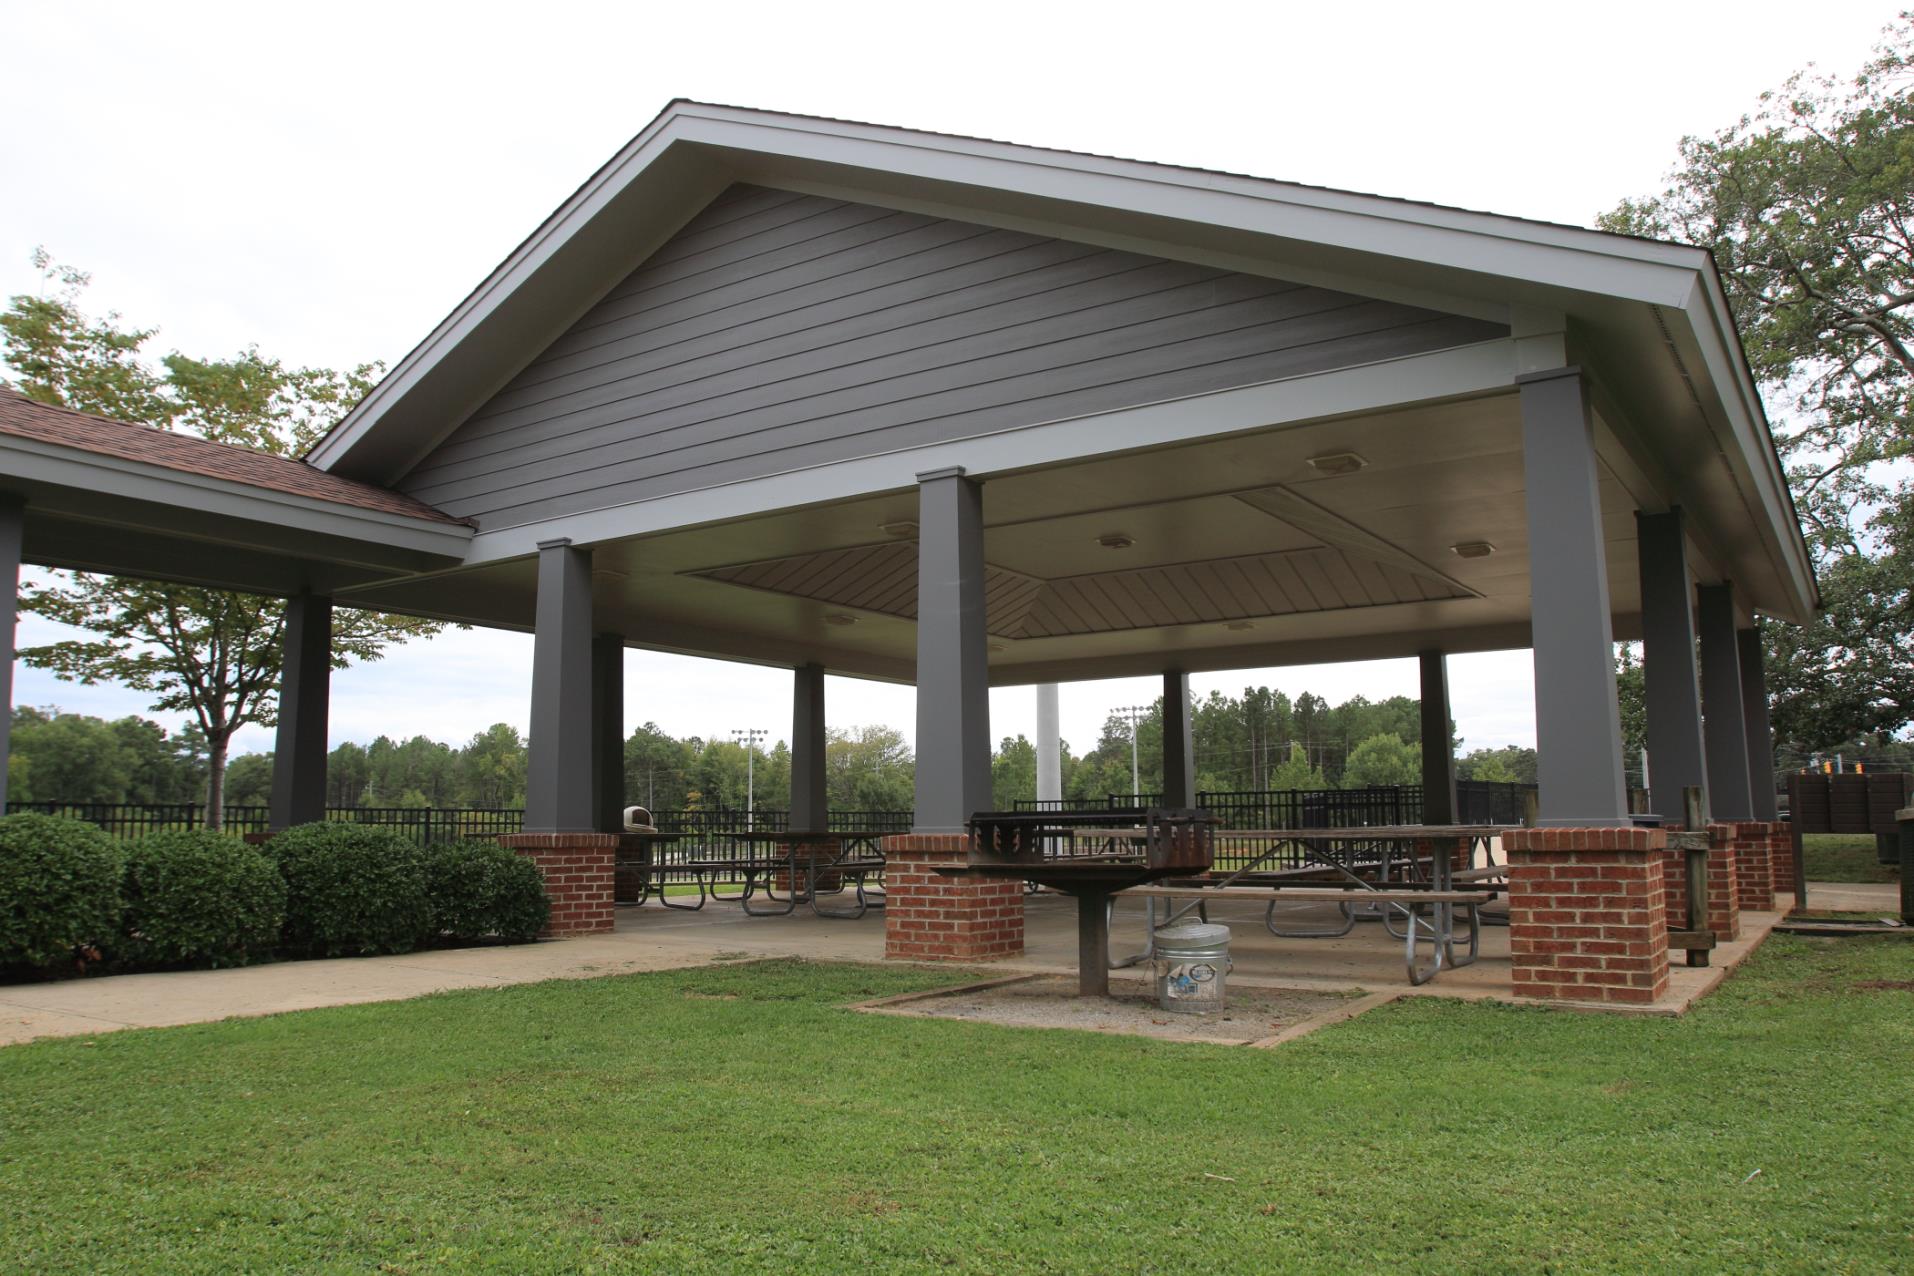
(1655, 311)
(24, 418)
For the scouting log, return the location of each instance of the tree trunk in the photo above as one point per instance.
(216, 747)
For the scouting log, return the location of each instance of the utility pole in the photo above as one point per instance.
(749, 737)
(1134, 710)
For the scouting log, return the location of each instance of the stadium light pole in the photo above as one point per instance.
(749, 737)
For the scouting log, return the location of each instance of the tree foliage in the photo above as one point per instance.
(210, 654)
(1807, 205)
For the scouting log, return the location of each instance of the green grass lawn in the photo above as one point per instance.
(1843, 857)
(735, 1119)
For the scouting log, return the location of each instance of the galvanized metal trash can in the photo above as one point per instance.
(1192, 965)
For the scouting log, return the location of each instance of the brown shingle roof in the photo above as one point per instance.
(28, 419)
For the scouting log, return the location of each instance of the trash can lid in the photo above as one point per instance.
(1193, 935)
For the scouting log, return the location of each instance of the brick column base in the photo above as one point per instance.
(1722, 913)
(1587, 913)
(578, 869)
(1781, 856)
(928, 917)
(1754, 866)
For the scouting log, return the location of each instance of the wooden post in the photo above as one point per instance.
(1905, 821)
(1694, 814)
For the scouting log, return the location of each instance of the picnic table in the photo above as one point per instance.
(1427, 907)
(633, 877)
(806, 857)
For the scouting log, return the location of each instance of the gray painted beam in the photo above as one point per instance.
(810, 808)
(1438, 741)
(1049, 744)
(1670, 687)
(1179, 748)
(559, 784)
(12, 526)
(953, 658)
(305, 704)
(1578, 731)
(1754, 713)
(1724, 729)
(608, 731)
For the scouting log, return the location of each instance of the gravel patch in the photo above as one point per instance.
(1051, 1001)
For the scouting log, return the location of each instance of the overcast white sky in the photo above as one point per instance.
(327, 181)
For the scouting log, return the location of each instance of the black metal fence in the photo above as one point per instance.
(428, 826)
(1477, 802)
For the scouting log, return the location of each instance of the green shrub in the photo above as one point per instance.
(59, 889)
(351, 890)
(480, 890)
(196, 895)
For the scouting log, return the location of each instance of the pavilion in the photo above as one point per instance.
(901, 405)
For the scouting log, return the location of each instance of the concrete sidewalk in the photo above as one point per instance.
(652, 938)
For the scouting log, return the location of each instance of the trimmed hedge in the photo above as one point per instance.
(59, 889)
(351, 890)
(196, 895)
(480, 890)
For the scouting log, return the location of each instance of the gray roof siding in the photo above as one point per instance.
(778, 331)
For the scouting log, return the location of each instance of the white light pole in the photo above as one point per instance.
(1134, 710)
(749, 737)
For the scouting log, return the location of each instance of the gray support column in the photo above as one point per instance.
(305, 701)
(1179, 747)
(1438, 741)
(1578, 732)
(1754, 714)
(1670, 688)
(559, 784)
(953, 658)
(1723, 726)
(1049, 745)
(608, 731)
(12, 526)
(810, 807)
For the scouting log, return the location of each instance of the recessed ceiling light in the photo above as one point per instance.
(1240, 624)
(1472, 549)
(901, 528)
(609, 573)
(1116, 540)
(839, 618)
(997, 646)
(1337, 463)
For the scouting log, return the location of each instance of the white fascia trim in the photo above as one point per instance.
(1484, 368)
(585, 203)
(1482, 243)
(33, 460)
(1720, 345)
(1486, 243)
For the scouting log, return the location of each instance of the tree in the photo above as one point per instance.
(1631, 694)
(1013, 773)
(869, 769)
(1383, 759)
(1295, 772)
(1511, 764)
(1806, 205)
(208, 653)
(493, 767)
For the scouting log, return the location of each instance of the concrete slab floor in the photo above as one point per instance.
(654, 938)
